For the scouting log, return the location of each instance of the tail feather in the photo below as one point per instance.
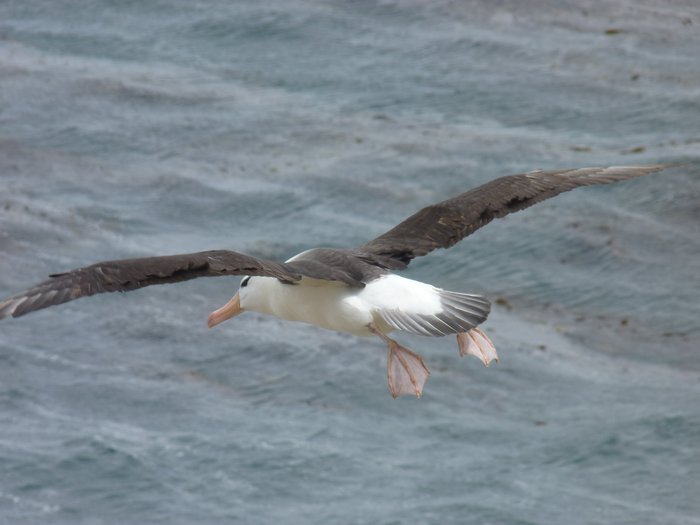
(460, 313)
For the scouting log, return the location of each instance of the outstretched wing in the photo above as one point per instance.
(446, 223)
(130, 274)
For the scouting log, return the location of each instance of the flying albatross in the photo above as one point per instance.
(348, 290)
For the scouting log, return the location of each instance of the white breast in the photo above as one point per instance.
(334, 306)
(321, 303)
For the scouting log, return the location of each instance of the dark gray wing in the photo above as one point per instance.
(130, 274)
(332, 264)
(446, 223)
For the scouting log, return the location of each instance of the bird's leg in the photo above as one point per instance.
(406, 370)
(475, 342)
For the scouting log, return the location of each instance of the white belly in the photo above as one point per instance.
(321, 303)
(334, 306)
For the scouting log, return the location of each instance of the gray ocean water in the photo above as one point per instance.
(138, 128)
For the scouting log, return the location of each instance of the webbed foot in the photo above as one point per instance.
(406, 370)
(475, 342)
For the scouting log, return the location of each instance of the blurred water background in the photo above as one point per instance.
(139, 128)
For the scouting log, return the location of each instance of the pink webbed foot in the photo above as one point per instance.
(475, 342)
(406, 371)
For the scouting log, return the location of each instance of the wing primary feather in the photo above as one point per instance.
(445, 223)
(130, 274)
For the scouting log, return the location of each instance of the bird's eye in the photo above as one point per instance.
(245, 280)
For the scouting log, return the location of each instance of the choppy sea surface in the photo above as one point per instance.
(138, 128)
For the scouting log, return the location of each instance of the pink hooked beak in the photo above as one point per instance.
(230, 309)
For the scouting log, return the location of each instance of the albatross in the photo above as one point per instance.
(351, 290)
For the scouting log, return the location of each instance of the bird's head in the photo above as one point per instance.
(233, 307)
